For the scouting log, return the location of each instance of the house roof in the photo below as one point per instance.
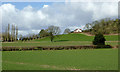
(77, 29)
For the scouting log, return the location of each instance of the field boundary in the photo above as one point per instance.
(21, 48)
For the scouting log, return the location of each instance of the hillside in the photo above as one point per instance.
(65, 39)
(78, 37)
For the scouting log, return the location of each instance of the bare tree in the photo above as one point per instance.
(20, 38)
(53, 30)
(67, 31)
(8, 33)
(16, 33)
(13, 32)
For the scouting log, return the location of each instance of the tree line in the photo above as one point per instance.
(104, 26)
(10, 36)
(51, 32)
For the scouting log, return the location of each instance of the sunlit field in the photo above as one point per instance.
(95, 59)
(59, 35)
(80, 59)
(67, 39)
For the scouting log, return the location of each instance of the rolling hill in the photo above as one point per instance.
(65, 39)
(78, 37)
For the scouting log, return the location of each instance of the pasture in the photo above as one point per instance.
(48, 43)
(80, 59)
(66, 39)
(78, 37)
(96, 59)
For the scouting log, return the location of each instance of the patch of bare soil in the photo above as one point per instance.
(110, 34)
(88, 34)
(112, 41)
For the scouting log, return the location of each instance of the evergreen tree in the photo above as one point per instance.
(99, 39)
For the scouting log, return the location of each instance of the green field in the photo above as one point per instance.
(48, 43)
(79, 37)
(96, 59)
(0, 60)
(66, 39)
(88, 59)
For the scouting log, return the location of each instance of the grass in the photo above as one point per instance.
(111, 37)
(79, 37)
(66, 39)
(91, 59)
(47, 43)
(96, 59)
(0, 60)
(112, 43)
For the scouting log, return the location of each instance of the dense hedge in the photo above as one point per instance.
(19, 48)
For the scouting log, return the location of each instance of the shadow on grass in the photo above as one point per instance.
(60, 40)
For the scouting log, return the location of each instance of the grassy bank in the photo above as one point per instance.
(79, 37)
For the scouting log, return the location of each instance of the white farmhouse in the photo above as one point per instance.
(77, 30)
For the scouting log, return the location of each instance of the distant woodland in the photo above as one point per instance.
(104, 26)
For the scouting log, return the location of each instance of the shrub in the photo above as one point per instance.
(104, 46)
(99, 39)
(20, 49)
(36, 48)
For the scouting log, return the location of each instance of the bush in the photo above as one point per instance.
(99, 39)
(104, 46)
(20, 49)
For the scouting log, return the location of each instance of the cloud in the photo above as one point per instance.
(45, 6)
(102, 10)
(93, 1)
(73, 15)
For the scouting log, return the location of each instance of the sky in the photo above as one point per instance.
(31, 17)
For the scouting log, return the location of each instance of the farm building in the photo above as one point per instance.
(77, 30)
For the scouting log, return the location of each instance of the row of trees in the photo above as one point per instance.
(54, 29)
(51, 32)
(28, 37)
(10, 36)
(104, 26)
